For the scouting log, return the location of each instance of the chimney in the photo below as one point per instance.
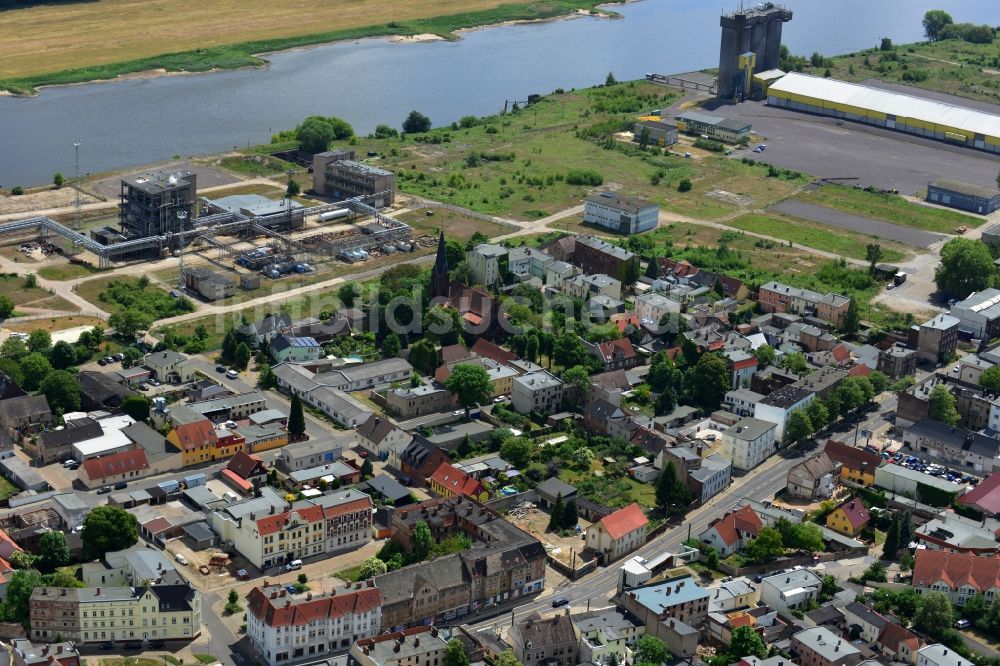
(309, 597)
(434, 632)
(272, 509)
(416, 642)
(98, 592)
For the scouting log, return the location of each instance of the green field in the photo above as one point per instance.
(889, 208)
(455, 225)
(814, 235)
(67, 271)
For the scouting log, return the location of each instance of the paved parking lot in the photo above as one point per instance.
(891, 160)
(865, 225)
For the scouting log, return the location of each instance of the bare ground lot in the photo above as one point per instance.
(534, 520)
(865, 225)
(882, 158)
(110, 187)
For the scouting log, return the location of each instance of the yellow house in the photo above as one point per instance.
(447, 481)
(856, 465)
(502, 377)
(849, 518)
(200, 443)
(263, 438)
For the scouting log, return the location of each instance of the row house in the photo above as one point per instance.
(778, 297)
(960, 576)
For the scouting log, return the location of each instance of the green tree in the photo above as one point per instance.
(990, 379)
(873, 253)
(470, 384)
(936, 613)
(58, 180)
(746, 642)
(241, 356)
(314, 135)
(571, 515)
(799, 427)
(108, 528)
(765, 355)
(507, 658)
(672, 495)
(556, 515)
(879, 381)
(63, 355)
(795, 362)
(10, 367)
(890, 549)
(935, 21)
(828, 587)
(6, 307)
(39, 341)
(966, 266)
(348, 293)
(610, 80)
(653, 266)
(416, 123)
(765, 547)
(36, 368)
(130, 323)
(372, 567)
(886, 44)
(367, 469)
(61, 390)
(709, 381)
(19, 587)
(423, 356)
(296, 417)
(422, 541)
(454, 651)
(53, 552)
(651, 650)
(975, 608)
(568, 350)
(391, 346)
(293, 189)
(136, 406)
(517, 451)
(852, 318)
(578, 378)
(941, 406)
(875, 572)
(807, 536)
(818, 414)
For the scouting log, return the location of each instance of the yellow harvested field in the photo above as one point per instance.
(55, 37)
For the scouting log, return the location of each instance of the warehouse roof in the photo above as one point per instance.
(620, 202)
(882, 101)
(963, 187)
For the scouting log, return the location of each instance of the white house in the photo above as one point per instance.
(650, 308)
(558, 272)
(749, 442)
(790, 591)
(939, 655)
(588, 286)
(484, 263)
(528, 262)
(618, 533)
(538, 391)
(779, 405)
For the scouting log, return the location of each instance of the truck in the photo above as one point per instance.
(899, 278)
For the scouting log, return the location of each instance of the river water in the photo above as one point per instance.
(134, 122)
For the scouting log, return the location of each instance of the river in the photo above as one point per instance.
(139, 121)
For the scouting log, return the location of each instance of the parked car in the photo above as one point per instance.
(293, 565)
(107, 646)
(290, 589)
(180, 558)
(104, 490)
(963, 624)
(101, 361)
(232, 374)
(242, 574)
(220, 368)
(559, 601)
(121, 485)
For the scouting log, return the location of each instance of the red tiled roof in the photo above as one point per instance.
(741, 620)
(678, 268)
(487, 349)
(851, 457)
(271, 524)
(281, 611)
(622, 320)
(624, 521)
(237, 480)
(986, 495)
(841, 353)
(893, 635)
(243, 465)
(622, 347)
(859, 370)
(956, 570)
(194, 435)
(452, 353)
(746, 363)
(115, 464)
(456, 481)
(347, 507)
(157, 525)
(855, 512)
(744, 519)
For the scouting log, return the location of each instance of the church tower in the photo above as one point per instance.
(439, 277)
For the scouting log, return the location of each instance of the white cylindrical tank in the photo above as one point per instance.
(334, 215)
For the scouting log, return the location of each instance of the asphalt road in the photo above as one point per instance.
(882, 158)
(865, 225)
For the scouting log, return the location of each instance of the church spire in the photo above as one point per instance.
(439, 277)
(441, 262)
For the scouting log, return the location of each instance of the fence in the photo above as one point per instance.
(103, 316)
(788, 562)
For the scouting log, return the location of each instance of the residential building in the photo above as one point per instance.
(779, 406)
(856, 464)
(958, 534)
(742, 402)
(310, 453)
(484, 261)
(940, 655)
(956, 447)
(749, 442)
(245, 472)
(411, 402)
(778, 297)
(267, 536)
(332, 401)
(985, 497)
(733, 531)
(124, 466)
(656, 133)
(199, 442)
(821, 647)
(651, 307)
(538, 391)
(898, 644)
(742, 365)
(100, 614)
(618, 533)
(615, 354)
(156, 203)
(864, 622)
(897, 362)
(813, 478)
(24, 653)
(100, 391)
(337, 174)
(733, 594)
(937, 338)
(210, 285)
(549, 641)
(52, 445)
(295, 349)
(447, 481)
(419, 459)
(379, 435)
(25, 415)
(419, 646)
(558, 273)
(528, 262)
(259, 438)
(625, 215)
(679, 598)
(286, 629)
(979, 314)
(137, 565)
(586, 286)
(169, 366)
(960, 576)
(595, 256)
(790, 590)
(711, 477)
(606, 635)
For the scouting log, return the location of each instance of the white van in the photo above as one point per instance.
(293, 565)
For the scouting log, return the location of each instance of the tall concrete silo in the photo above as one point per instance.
(756, 29)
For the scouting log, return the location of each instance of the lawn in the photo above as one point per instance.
(889, 208)
(456, 225)
(63, 272)
(13, 287)
(615, 493)
(52, 324)
(348, 575)
(813, 235)
(7, 489)
(257, 165)
(54, 43)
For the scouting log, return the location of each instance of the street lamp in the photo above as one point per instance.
(77, 223)
(181, 216)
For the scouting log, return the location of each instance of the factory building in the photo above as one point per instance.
(657, 133)
(714, 127)
(963, 196)
(623, 214)
(897, 111)
(751, 43)
(337, 174)
(149, 202)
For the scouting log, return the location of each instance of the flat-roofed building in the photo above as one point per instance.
(208, 283)
(964, 196)
(656, 133)
(149, 202)
(821, 647)
(979, 314)
(626, 215)
(337, 174)
(714, 127)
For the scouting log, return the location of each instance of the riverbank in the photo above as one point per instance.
(249, 53)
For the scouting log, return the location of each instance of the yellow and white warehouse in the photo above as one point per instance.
(892, 110)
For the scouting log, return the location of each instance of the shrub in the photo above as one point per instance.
(685, 185)
(584, 177)
(17, 191)
(710, 145)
